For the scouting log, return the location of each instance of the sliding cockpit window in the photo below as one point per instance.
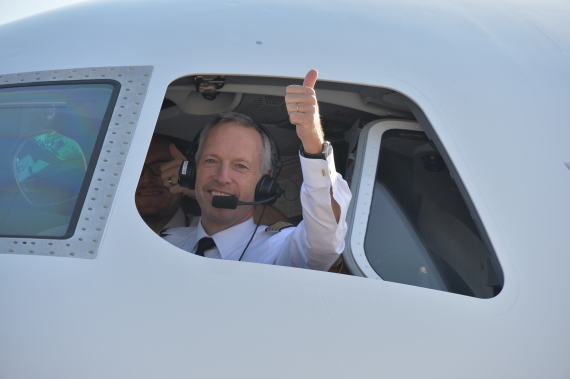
(50, 137)
(412, 223)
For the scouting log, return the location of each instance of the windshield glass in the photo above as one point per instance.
(49, 137)
(420, 231)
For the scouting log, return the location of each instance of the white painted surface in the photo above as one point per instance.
(15, 10)
(491, 76)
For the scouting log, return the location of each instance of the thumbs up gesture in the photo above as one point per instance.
(303, 112)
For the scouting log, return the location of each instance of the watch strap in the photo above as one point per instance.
(327, 150)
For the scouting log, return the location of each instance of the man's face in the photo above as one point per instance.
(229, 164)
(153, 199)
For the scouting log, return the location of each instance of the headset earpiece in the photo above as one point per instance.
(266, 188)
(187, 174)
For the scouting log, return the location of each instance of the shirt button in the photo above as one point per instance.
(324, 173)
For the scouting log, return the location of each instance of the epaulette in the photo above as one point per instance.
(278, 226)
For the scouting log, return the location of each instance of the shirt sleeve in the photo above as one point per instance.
(318, 240)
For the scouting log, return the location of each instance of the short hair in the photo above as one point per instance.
(243, 120)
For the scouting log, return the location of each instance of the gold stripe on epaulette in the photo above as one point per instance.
(278, 226)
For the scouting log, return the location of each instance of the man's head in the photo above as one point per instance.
(155, 203)
(241, 119)
(232, 155)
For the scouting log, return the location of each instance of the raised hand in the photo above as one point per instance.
(303, 110)
(170, 172)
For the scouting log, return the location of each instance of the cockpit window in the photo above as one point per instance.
(49, 136)
(418, 230)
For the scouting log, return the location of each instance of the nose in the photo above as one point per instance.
(222, 175)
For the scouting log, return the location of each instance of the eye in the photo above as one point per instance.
(241, 166)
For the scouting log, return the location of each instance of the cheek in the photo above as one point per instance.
(202, 175)
(250, 182)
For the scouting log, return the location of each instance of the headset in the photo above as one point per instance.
(267, 189)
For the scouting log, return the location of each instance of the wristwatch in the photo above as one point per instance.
(327, 150)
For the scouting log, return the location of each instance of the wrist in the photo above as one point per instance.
(314, 146)
(323, 153)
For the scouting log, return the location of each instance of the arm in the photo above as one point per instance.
(319, 239)
(303, 108)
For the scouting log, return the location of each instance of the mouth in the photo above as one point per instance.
(217, 193)
(150, 192)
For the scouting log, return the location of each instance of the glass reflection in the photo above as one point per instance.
(49, 138)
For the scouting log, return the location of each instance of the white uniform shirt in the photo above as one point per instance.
(315, 243)
(181, 219)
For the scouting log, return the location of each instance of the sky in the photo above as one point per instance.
(11, 10)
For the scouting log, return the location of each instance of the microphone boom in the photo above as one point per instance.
(225, 202)
(232, 202)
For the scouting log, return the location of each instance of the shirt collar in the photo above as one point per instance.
(230, 242)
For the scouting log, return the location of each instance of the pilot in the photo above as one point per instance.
(159, 207)
(231, 158)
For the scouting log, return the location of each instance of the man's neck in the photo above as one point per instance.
(211, 227)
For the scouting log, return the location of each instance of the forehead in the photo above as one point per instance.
(158, 150)
(234, 141)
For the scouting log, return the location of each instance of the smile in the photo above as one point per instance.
(150, 193)
(216, 193)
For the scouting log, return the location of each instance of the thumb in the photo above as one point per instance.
(175, 152)
(311, 78)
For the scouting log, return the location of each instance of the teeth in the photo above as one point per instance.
(216, 193)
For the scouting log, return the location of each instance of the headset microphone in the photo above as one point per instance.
(232, 202)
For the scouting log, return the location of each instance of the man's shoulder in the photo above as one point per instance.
(279, 226)
(179, 233)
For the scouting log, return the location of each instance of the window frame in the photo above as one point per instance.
(97, 195)
(366, 165)
(363, 180)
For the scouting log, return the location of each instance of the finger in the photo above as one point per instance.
(299, 98)
(177, 189)
(304, 120)
(176, 154)
(311, 78)
(295, 89)
(188, 192)
(301, 108)
(170, 169)
(171, 164)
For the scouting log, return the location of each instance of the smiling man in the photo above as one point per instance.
(233, 154)
(229, 164)
(161, 207)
